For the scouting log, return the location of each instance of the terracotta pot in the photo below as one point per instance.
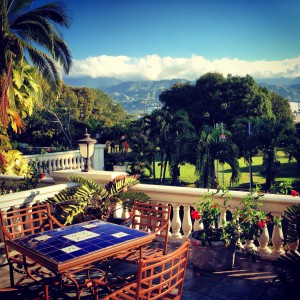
(214, 257)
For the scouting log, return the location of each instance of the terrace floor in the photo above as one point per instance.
(247, 280)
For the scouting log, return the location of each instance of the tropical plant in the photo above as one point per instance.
(30, 30)
(208, 213)
(252, 219)
(281, 187)
(94, 201)
(246, 222)
(14, 164)
(268, 135)
(289, 263)
(214, 144)
(30, 171)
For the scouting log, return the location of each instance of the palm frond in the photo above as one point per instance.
(292, 216)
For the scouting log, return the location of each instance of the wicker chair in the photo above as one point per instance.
(18, 223)
(160, 277)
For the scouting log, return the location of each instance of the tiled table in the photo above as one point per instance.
(77, 245)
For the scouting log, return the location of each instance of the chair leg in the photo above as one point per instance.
(47, 292)
(95, 292)
(11, 275)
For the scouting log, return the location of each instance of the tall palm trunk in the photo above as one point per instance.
(270, 163)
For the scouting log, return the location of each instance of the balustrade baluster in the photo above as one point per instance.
(63, 166)
(176, 224)
(187, 221)
(277, 238)
(54, 166)
(263, 240)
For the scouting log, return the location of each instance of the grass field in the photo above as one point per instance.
(288, 171)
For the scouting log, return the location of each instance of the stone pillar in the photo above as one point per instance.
(98, 157)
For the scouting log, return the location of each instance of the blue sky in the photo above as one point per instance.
(158, 39)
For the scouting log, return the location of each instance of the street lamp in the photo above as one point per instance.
(86, 149)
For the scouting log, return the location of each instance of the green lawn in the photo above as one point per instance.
(288, 171)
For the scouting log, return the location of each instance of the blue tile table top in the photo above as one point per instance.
(74, 241)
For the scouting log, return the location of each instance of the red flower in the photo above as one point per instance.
(215, 206)
(43, 175)
(261, 224)
(195, 243)
(48, 149)
(195, 215)
(294, 193)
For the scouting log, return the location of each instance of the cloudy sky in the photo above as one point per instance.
(165, 39)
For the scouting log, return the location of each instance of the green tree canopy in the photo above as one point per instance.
(215, 99)
(33, 31)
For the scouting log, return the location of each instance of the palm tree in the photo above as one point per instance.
(23, 33)
(269, 135)
(210, 148)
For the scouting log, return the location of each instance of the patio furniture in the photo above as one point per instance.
(160, 277)
(148, 217)
(75, 248)
(21, 222)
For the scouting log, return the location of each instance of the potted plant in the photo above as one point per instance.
(213, 247)
(92, 201)
(252, 219)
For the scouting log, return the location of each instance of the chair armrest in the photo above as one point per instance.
(6, 233)
(127, 222)
(55, 221)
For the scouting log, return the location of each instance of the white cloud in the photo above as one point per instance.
(154, 67)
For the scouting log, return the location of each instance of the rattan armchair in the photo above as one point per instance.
(160, 277)
(20, 222)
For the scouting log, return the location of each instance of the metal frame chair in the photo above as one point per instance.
(161, 277)
(16, 223)
(149, 217)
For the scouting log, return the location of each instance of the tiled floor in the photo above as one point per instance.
(248, 280)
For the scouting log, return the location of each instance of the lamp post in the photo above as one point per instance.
(86, 149)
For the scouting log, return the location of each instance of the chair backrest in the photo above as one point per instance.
(16, 223)
(162, 277)
(152, 217)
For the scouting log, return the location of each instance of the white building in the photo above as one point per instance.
(295, 107)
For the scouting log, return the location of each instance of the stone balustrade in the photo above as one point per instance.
(49, 162)
(182, 199)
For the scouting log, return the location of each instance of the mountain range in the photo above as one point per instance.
(139, 97)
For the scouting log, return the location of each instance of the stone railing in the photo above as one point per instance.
(181, 199)
(49, 162)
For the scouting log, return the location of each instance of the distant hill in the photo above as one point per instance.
(287, 87)
(138, 97)
(86, 81)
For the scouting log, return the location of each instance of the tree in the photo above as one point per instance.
(212, 146)
(28, 31)
(269, 135)
(215, 99)
(280, 106)
(184, 140)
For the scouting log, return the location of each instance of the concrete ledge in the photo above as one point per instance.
(101, 177)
